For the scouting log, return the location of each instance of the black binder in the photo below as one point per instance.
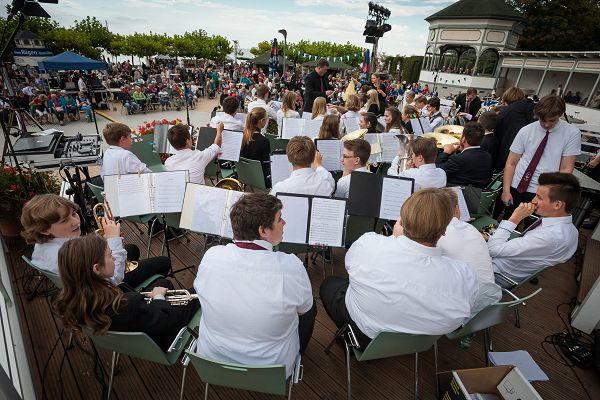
(366, 193)
(206, 137)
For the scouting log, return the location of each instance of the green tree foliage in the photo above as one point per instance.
(99, 35)
(321, 48)
(63, 39)
(553, 25)
(411, 68)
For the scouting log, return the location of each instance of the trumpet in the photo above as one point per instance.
(107, 213)
(180, 297)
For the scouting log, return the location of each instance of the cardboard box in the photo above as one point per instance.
(505, 382)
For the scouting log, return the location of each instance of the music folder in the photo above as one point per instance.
(313, 220)
(331, 150)
(384, 146)
(377, 196)
(206, 137)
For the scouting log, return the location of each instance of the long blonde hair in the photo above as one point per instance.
(373, 99)
(319, 107)
(330, 127)
(289, 102)
(252, 120)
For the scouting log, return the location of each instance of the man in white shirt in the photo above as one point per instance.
(257, 304)
(436, 118)
(402, 283)
(230, 107)
(550, 241)
(305, 179)
(118, 159)
(547, 145)
(262, 95)
(422, 166)
(355, 156)
(194, 161)
(476, 254)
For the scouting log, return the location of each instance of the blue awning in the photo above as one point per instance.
(69, 61)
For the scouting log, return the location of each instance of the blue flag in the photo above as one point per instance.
(273, 60)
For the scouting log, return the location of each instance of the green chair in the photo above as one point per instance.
(516, 286)
(386, 345)
(144, 150)
(54, 278)
(483, 221)
(487, 202)
(494, 314)
(277, 144)
(356, 226)
(250, 173)
(140, 345)
(496, 182)
(212, 171)
(264, 379)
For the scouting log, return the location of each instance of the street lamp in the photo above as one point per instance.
(284, 33)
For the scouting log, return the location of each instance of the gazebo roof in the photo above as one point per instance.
(470, 9)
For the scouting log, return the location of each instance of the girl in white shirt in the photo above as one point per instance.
(288, 108)
(319, 109)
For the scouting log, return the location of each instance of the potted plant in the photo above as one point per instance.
(16, 190)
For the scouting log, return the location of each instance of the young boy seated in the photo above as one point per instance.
(308, 175)
(50, 220)
(230, 107)
(354, 158)
(195, 161)
(490, 143)
(118, 159)
(422, 165)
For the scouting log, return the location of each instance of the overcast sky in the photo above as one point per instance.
(252, 21)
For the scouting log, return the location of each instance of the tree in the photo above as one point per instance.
(322, 49)
(411, 68)
(63, 39)
(553, 25)
(218, 48)
(99, 35)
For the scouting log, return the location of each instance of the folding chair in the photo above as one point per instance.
(516, 286)
(144, 150)
(250, 173)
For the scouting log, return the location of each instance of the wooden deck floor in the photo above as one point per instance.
(324, 375)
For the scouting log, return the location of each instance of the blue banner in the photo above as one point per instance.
(43, 52)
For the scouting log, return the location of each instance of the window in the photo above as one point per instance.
(488, 61)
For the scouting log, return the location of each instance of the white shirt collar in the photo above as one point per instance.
(472, 147)
(58, 241)
(362, 169)
(302, 171)
(550, 221)
(428, 166)
(183, 151)
(262, 243)
(419, 248)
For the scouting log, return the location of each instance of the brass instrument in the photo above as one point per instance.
(107, 213)
(404, 152)
(230, 184)
(180, 297)
(441, 139)
(358, 134)
(454, 130)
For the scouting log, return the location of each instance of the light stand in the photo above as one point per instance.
(375, 27)
(187, 110)
(284, 33)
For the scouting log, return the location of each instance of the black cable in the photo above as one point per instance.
(97, 368)
(44, 394)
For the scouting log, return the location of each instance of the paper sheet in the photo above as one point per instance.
(327, 222)
(351, 124)
(522, 360)
(231, 146)
(292, 127)
(307, 115)
(295, 215)
(389, 146)
(373, 139)
(312, 127)
(462, 204)
(133, 195)
(169, 191)
(208, 207)
(331, 150)
(394, 193)
(281, 168)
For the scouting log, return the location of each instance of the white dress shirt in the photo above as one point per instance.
(287, 114)
(195, 161)
(343, 184)
(45, 256)
(314, 182)
(564, 140)
(476, 255)
(271, 113)
(436, 120)
(399, 285)
(425, 176)
(229, 122)
(251, 300)
(553, 242)
(117, 160)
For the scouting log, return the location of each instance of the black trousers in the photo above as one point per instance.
(306, 325)
(333, 295)
(146, 268)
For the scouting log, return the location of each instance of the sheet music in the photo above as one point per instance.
(394, 193)
(307, 115)
(327, 222)
(331, 150)
(295, 215)
(133, 192)
(239, 116)
(169, 191)
(351, 124)
(233, 197)
(292, 127)
(389, 146)
(281, 168)
(373, 139)
(207, 209)
(276, 105)
(231, 146)
(462, 204)
(312, 127)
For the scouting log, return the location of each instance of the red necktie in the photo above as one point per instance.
(524, 183)
(249, 246)
(321, 81)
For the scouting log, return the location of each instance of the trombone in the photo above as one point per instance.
(107, 213)
(180, 297)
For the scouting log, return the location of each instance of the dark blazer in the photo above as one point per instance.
(474, 106)
(490, 144)
(312, 89)
(259, 149)
(470, 167)
(510, 121)
(158, 319)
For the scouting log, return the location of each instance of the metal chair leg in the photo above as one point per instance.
(206, 392)
(517, 317)
(435, 362)
(70, 341)
(339, 333)
(112, 373)
(416, 376)
(150, 236)
(348, 371)
(182, 382)
(486, 346)
(290, 388)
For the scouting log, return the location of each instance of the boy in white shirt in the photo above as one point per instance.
(118, 159)
(422, 165)
(354, 158)
(194, 161)
(230, 107)
(305, 179)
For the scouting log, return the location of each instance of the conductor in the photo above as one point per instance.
(316, 84)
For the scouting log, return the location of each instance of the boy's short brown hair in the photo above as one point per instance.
(549, 107)
(40, 213)
(563, 187)
(426, 147)
(473, 133)
(178, 136)
(301, 151)
(114, 131)
(361, 149)
(252, 211)
(262, 90)
(231, 105)
(488, 120)
(425, 215)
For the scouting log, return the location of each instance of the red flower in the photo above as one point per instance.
(13, 187)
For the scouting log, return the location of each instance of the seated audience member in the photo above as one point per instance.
(436, 119)
(387, 273)
(118, 158)
(89, 298)
(49, 221)
(71, 105)
(230, 107)
(473, 165)
(549, 241)
(319, 108)
(57, 106)
(422, 166)
(288, 108)
(305, 179)
(330, 127)
(351, 106)
(244, 320)
(254, 145)
(488, 121)
(368, 121)
(194, 161)
(355, 156)
(476, 254)
(393, 120)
